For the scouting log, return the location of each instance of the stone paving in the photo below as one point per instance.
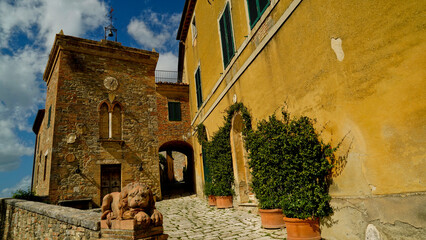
(190, 217)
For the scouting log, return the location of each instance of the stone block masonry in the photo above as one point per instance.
(20, 219)
(99, 130)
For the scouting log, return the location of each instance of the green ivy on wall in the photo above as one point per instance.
(218, 152)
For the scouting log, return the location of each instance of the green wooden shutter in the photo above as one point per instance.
(256, 9)
(198, 88)
(226, 36)
(252, 9)
(262, 5)
(229, 33)
(48, 117)
(223, 39)
(174, 111)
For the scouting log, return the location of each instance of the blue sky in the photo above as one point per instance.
(27, 31)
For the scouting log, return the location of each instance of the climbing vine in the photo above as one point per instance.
(218, 151)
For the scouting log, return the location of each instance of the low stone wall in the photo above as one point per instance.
(20, 219)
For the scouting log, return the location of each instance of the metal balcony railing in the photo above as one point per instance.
(166, 76)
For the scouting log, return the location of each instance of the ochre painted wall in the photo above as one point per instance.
(372, 95)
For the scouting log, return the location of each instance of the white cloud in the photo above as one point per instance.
(75, 17)
(18, 78)
(17, 16)
(44, 18)
(20, 93)
(24, 184)
(167, 61)
(11, 149)
(22, 89)
(155, 30)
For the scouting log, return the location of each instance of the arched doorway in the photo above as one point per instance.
(176, 169)
(239, 160)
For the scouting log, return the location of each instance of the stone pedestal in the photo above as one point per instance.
(130, 230)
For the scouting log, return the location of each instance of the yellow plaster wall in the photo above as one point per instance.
(375, 96)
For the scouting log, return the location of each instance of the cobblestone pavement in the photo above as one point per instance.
(190, 217)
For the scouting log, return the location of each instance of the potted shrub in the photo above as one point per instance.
(209, 193)
(208, 187)
(307, 163)
(221, 170)
(265, 148)
(219, 157)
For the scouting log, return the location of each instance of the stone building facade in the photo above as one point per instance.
(100, 128)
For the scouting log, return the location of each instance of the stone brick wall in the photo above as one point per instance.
(20, 219)
(43, 151)
(172, 130)
(76, 76)
(175, 136)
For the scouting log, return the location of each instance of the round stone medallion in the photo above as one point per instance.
(70, 158)
(111, 83)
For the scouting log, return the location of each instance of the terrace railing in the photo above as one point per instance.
(166, 76)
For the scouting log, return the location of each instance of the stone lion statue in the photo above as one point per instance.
(135, 201)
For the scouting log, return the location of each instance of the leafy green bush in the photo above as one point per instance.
(307, 163)
(220, 163)
(265, 147)
(208, 189)
(218, 152)
(290, 166)
(26, 195)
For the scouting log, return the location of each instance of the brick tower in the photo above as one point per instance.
(97, 132)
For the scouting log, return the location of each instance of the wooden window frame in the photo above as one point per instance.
(49, 115)
(174, 116)
(226, 34)
(109, 125)
(194, 29)
(45, 166)
(259, 12)
(198, 88)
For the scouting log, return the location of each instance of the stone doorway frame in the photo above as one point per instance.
(242, 175)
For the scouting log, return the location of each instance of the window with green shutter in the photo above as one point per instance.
(174, 111)
(198, 88)
(256, 9)
(48, 116)
(226, 36)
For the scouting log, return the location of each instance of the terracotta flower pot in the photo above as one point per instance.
(224, 201)
(212, 200)
(302, 229)
(272, 218)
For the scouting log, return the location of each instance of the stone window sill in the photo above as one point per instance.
(121, 142)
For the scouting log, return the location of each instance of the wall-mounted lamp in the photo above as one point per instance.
(140, 167)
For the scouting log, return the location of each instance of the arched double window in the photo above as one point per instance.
(110, 120)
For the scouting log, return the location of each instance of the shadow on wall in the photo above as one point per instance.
(3, 221)
(342, 156)
(340, 161)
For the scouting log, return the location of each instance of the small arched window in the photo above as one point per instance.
(116, 122)
(110, 121)
(104, 121)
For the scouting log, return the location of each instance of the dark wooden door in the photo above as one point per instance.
(110, 179)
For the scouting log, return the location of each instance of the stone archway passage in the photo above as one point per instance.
(169, 186)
